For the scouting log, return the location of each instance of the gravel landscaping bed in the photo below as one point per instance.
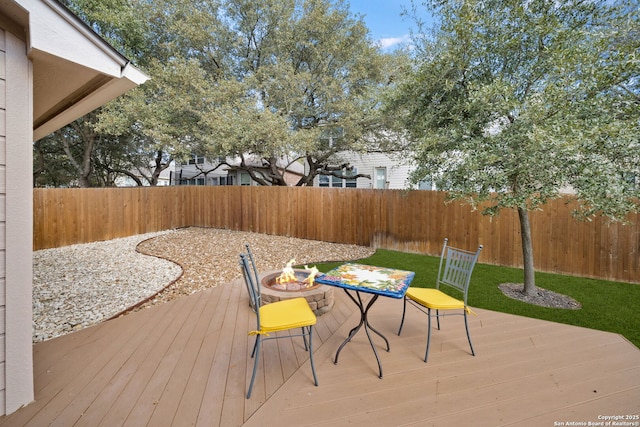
(82, 285)
(542, 297)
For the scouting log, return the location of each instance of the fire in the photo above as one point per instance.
(288, 275)
(313, 272)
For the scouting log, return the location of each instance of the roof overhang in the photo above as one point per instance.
(75, 71)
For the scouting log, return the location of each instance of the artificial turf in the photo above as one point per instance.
(606, 305)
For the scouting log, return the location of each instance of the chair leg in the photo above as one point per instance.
(438, 318)
(256, 350)
(313, 368)
(426, 353)
(466, 325)
(304, 338)
(255, 344)
(404, 310)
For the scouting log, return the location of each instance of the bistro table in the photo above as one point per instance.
(359, 278)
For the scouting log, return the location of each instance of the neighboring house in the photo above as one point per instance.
(199, 171)
(163, 179)
(385, 172)
(53, 70)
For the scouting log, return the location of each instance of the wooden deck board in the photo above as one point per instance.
(225, 371)
(191, 402)
(137, 369)
(187, 363)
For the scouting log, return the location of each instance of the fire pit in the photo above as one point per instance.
(320, 297)
(298, 282)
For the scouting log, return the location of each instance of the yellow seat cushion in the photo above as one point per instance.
(287, 314)
(434, 299)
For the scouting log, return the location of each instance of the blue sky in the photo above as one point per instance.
(384, 20)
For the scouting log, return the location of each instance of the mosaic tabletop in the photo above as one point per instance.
(366, 278)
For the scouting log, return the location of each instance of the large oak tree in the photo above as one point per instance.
(271, 82)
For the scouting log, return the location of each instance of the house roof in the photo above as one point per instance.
(74, 70)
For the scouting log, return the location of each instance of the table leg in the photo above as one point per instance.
(363, 321)
(367, 325)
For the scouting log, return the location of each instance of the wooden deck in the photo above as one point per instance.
(186, 363)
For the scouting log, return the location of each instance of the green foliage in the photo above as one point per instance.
(526, 98)
(607, 306)
(115, 20)
(301, 70)
(266, 81)
(51, 166)
(509, 103)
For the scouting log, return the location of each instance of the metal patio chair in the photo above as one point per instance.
(275, 317)
(456, 267)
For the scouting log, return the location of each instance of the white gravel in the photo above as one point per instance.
(82, 285)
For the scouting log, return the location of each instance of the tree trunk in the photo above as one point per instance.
(86, 140)
(527, 252)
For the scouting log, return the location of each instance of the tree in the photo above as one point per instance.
(277, 81)
(301, 88)
(51, 166)
(511, 101)
(80, 154)
(144, 130)
(164, 118)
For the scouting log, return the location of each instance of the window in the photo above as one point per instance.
(337, 182)
(245, 179)
(380, 177)
(331, 136)
(351, 182)
(226, 180)
(425, 185)
(196, 160)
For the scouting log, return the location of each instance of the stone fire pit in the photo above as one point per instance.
(320, 297)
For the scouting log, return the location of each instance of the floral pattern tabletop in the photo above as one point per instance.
(366, 278)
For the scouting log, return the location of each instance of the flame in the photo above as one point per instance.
(288, 274)
(313, 272)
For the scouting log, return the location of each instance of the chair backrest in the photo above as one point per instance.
(251, 284)
(254, 269)
(456, 266)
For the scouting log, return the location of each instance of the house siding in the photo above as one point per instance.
(16, 225)
(3, 216)
(397, 173)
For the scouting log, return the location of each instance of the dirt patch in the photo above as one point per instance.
(542, 297)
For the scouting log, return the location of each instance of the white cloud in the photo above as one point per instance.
(391, 42)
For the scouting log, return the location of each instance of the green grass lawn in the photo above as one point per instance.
(607, 306)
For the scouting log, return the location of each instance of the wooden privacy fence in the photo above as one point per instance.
(414, 221)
